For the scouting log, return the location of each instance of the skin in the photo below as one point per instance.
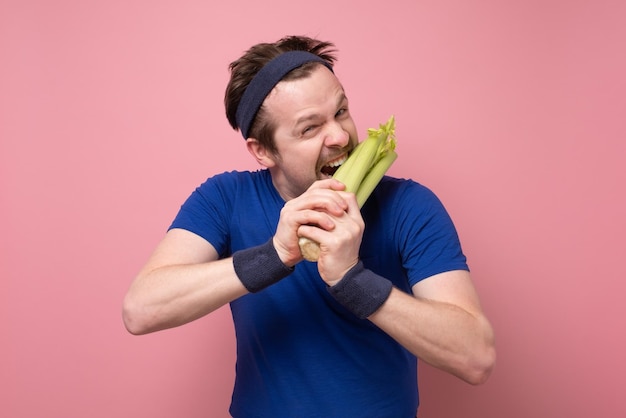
(442, 323)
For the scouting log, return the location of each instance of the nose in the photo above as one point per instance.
(336, 135)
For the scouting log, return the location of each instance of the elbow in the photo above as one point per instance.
(131, 326)
(132, 317)
(481, 366)
(482, 360)
(481, 373)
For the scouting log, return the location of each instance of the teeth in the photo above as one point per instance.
(337, 162)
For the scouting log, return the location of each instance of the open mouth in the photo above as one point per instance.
(331, 167)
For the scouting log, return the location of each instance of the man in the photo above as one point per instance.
(335, 338)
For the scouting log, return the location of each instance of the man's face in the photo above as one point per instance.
(315, 130)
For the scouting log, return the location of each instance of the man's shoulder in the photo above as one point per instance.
(234, 178)
(402, 188)
(238, 175)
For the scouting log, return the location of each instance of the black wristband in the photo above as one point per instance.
(258, 267)
(361, 291)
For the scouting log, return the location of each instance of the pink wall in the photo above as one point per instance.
(111, 112)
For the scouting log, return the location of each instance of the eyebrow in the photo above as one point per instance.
(314, 116)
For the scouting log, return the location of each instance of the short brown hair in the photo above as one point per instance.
(243, 70)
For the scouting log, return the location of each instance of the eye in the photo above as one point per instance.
(341, 112)
(309, 129)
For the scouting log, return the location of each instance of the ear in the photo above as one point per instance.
(260, 153)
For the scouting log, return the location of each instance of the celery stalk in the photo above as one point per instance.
(359, 164)
(374, 176)
(362, 171)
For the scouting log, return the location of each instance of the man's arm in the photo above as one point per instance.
(182, 281)
(442, 324)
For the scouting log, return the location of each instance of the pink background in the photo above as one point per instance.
(111, 113)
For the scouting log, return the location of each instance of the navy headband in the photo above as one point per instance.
(265, 80)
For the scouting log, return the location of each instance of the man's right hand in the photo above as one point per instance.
(317, 207)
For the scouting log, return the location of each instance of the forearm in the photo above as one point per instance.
(169, 296)
(441, 334)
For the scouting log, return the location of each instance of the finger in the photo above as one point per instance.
(317, 219)
(319, 199)
(331, 184)
(353, 209)
(350, 199)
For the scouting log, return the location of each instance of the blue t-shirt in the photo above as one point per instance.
(299, 352)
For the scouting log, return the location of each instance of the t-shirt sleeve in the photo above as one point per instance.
(205, 213)
(429, 239)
